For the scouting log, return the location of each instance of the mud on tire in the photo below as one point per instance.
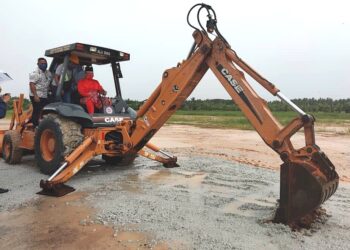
(11, 152)
(55, 138)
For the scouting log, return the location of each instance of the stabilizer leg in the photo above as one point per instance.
(168, 162)
(55, 186)
(56, 190)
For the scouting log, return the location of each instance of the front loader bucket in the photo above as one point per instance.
(303, 189)
(56, 190)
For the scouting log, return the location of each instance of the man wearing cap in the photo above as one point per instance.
(90, 89)
(39, 81)
(72, 76)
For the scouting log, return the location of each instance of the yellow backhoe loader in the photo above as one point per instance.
(67, 137)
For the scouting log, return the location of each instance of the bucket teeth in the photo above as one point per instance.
(325, 165)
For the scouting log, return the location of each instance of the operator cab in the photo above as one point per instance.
(90, 55)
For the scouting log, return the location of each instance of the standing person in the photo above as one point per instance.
(90, 89)
(3, 104)
(72, 76)
(3, 108)
(39, 82)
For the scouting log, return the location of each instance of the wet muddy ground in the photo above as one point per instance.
(207, 203)
(65, 223)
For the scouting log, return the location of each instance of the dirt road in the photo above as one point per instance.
(217, 199)
(247, 147)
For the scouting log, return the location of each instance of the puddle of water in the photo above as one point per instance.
(190, 180)
(133, 177)
(130, 187)
(137, 240)
(64, 223)
(185, 178)
(162, 176)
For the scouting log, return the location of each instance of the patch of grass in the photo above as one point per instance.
(9, 114)
(236, 119)
(208, 121)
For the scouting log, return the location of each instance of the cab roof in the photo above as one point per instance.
(88, 54)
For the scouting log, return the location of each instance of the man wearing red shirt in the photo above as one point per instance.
(90, 89)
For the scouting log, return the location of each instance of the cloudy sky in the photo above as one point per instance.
(303, 47)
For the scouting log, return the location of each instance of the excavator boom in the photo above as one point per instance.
(308, 177)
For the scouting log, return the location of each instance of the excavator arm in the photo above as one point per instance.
(308, 177)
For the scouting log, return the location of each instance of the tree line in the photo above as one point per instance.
(26, 103)
(306, 104)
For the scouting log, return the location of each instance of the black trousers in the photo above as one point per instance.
(37, 108)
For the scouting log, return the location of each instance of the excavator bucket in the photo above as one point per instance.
(303, 188)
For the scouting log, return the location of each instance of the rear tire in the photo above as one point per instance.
(55, 138)
(11, 152)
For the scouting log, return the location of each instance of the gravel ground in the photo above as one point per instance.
(205, 204)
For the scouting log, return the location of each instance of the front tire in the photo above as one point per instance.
(11, 152)
(55, 138)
